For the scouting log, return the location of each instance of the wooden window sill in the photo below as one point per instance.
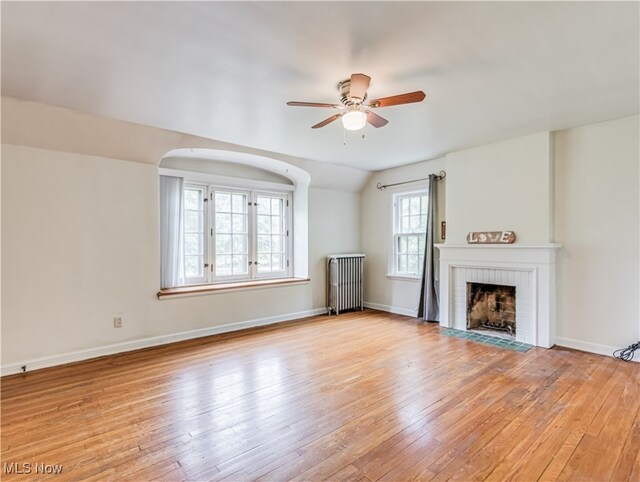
(233, 286)
(403, 277)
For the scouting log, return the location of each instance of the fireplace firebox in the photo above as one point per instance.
(491, 307)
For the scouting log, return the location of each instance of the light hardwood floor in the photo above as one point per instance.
(363, 396)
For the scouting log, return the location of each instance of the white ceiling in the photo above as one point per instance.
(491, 71)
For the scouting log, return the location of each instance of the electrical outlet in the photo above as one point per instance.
(117, 321)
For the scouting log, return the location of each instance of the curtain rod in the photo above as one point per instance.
(441, 175)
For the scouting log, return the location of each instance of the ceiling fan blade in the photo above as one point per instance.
(359, 85)
(408, 98)
(313, 104)
(327, 121)
(375, 120)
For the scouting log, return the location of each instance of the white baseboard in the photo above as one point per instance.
(590, 347)
(391, 309)
(54, 360)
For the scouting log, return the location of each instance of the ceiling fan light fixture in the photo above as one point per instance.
(354, 119)
(357, 113)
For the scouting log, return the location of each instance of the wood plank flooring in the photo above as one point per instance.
(360, 397)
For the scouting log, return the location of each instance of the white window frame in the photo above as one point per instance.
(210, 275)
(213, 276)
(194, 280)
(396, 234)
(288, 210)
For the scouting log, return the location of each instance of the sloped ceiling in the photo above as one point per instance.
(224, 70)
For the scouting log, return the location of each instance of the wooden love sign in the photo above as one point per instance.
(491, 237)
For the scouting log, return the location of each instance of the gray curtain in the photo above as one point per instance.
(171, 230)
(429, 307)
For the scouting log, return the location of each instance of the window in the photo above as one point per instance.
(272, 233)
(194, 245)
(251, 241)
(230, 234)
(235, 234)
(409, 233)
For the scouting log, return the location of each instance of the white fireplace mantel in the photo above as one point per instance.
(531, 268)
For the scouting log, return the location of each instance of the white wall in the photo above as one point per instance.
(381, 291)
(80, 244)
(506, 186)
(597, 222)
(334, 228)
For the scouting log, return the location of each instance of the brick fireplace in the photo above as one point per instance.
(528, 271)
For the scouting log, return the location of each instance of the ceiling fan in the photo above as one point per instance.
(356, 114)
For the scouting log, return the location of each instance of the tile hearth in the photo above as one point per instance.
(496, 341)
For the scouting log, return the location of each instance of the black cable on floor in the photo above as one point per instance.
(627, 353)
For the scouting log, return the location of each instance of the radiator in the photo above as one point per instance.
(344, 282)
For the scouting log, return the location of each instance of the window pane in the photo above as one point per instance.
(239, 264)
(239, 223)
(404, 206)
(421, 244)
(404, 225)
(276, 244)
(264, 264)
(402, 244)
(264, 243)
(276, 206)
(415, 205)
(223, 201)
(223, 223)
(276, 224)
(412, 244)
(423, 205)
(414, 223)
(239, 244)
(412, 263)
(423, 224)
(276, 262)
(402, 263)
(264, 206)
(192, 244)
(193, 221)
(192, 199)
(223, 244)
(193, 266)
(239, 203)
(264, 224)
(223, 265)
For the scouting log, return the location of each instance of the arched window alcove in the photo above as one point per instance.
(255, 176)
